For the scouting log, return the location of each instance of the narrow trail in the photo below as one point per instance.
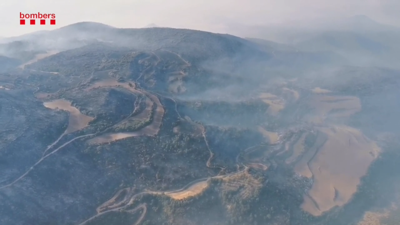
(129, 200)
(121, 209)
(161, 95)
(208, 163)
(42, 159)
(54, 143)
(247, 149)
(179, 56)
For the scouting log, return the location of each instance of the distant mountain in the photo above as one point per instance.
(198, 44)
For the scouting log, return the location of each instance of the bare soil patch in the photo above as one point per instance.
(77, 120)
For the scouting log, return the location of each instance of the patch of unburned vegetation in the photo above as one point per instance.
(337, 167)
(77, 120)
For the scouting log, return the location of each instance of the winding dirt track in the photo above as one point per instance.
(122, 209)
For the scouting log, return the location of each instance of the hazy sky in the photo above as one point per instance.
(209, 15)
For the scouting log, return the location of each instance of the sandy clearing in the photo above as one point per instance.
(77, 120)
(294, 93)
(319, 90)
(275, 103)
(338, 167)
(273, 137)
(107, 138)
(241, 183)
(373, 218)
(325, 106)
(192, 191)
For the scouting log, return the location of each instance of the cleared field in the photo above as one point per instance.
(275, 103)
(319, 90)
(108, 138)
(273, 137)
(373, 218)
(191, 191)
(77, 120)
(242, 184)
(337, 168)
(334, 107)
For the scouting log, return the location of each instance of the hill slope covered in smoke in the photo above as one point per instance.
(102, 125)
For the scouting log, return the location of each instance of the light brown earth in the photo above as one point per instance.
(334, 107)
(77, 120)
(192, 191)
(376, 217)
(337, 168)
(273, 137)
(108, 138)
(373, 218)
(241, 183)
(275, 103)
(319, 90)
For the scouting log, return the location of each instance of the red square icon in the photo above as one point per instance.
(33, 22)
(22, 22)
(52, 22)
(42, 22)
